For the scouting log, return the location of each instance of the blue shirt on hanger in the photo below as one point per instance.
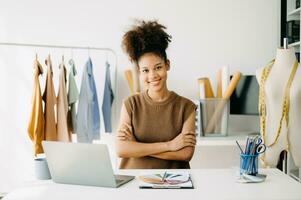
(88, 117)
(108, 98)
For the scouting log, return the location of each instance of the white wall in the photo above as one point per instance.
(206, 35)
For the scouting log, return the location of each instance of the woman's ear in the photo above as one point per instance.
(167, 65)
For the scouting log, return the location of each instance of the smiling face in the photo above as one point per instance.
(153, 72)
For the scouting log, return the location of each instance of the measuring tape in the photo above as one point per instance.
(285, 105)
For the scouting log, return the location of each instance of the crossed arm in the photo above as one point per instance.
(180, 148)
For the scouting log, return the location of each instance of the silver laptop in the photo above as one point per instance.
(82, 164)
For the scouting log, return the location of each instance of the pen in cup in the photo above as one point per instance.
(239, 146)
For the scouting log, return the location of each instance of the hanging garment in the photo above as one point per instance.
(88, 118)
(36, 121)
(72, 98)
(63, 133)
(50, 101)
(108, 98)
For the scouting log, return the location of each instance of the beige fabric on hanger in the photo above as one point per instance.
(63, 133)
(36, 121)
(49, 98)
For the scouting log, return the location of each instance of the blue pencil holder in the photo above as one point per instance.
(249, 164)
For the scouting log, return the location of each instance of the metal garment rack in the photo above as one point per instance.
(71, 48)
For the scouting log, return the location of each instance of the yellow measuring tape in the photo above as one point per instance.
(285, 105)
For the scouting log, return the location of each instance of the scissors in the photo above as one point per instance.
(259, 146)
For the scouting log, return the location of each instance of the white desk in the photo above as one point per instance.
(209, 184)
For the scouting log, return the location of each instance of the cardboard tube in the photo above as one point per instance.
(225, 78)
(136, 82)
(219, 92)
(202, 94)
(208, 88)
(129, 77)
(233, 83)
(225, 83)
(220, 107)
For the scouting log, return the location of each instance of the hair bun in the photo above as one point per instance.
(146, 37)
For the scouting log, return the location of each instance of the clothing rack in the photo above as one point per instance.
(71, 48)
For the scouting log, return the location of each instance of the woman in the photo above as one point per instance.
(157, 126)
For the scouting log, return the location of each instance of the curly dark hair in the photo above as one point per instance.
(146, 37)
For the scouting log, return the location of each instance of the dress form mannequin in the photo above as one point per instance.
(274, 94)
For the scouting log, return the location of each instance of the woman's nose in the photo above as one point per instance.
(153, 74)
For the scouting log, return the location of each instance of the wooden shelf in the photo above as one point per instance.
(294, 12)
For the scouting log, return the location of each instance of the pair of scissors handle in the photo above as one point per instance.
(260, 148)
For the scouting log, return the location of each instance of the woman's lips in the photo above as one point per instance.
(154, 83)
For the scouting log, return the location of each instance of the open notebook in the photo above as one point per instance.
(167, 180)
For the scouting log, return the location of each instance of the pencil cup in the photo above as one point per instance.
(248, 164)
(41, 169)
(214, 116)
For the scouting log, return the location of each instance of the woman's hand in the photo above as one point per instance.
(125, 133)
(184, 139)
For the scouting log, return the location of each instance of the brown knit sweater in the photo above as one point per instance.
(156, 122)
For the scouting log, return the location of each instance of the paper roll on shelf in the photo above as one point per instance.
(202, 91)
(233, 83)
(205, 82)
(136, 81)
(129, 77)
(225, 76)
(220, 107)
(219, 92)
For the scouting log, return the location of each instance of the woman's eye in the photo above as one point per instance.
(144, 71)
(158, 67)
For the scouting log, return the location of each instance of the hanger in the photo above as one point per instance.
(49, 63)
(72, 68)
(71, 61)
(48, 60)
(37, 63)
(63, 62)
